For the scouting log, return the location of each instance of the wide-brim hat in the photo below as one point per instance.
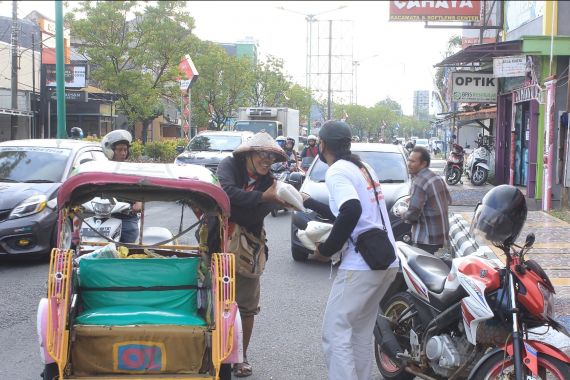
(261, 142)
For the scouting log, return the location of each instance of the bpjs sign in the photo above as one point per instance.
(469, 87)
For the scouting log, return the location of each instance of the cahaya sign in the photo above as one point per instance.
(470, 87)
(435, 10)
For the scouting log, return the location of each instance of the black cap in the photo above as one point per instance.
(335, 130)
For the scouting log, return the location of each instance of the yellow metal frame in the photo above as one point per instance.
(224, 288)
(59, 291)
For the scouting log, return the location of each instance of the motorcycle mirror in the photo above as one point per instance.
(529, 240)
(180, 149)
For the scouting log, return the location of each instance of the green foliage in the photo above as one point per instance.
(163, 150)
(440, 78)
(137, 150)
(135, 59)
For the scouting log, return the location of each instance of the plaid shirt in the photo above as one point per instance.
(428, 210)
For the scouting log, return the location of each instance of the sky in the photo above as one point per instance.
(395, 58)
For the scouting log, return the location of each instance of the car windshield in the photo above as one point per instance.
(390, 167)
(257, 126)
(214, 143)
(422, 142)
(32, 164)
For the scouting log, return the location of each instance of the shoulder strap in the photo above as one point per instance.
(375, 195)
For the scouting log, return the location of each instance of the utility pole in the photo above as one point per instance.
(60, 71)
(329, 91)
(14, 118)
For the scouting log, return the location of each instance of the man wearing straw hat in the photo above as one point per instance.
(247, 180)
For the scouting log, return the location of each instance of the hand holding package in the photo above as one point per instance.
(288, 194)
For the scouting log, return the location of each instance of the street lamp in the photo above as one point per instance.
(310, 18)
(355, 77)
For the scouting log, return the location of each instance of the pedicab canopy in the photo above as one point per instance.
(131, 181)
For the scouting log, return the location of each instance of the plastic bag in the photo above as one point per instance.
(107, 252)
(288, 194)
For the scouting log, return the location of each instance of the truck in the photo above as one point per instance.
(277, 121)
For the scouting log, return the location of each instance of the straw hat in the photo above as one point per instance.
(261, 141)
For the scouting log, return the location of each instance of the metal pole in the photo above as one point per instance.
(310, 51)
(329, 113)
(33, 103)
(60, 71)
(14, 118)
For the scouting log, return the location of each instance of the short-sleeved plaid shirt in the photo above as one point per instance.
(428, 210)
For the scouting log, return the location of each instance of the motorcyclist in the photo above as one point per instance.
(76, 133)
(311, 150)
(116, 146)
(293, 162)
(281, 140)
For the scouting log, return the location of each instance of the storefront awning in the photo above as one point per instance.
(483, 53)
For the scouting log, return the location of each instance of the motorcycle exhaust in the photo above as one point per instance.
(385, 336)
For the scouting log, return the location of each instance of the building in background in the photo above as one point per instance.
(421, 104)
(245, 48)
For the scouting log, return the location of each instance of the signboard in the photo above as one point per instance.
(72, 96)
(512, 66)
(472, 87)
(75, 76)
(455, 10)
(186, 66)
(527, 93)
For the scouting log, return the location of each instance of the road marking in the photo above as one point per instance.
(560, 281)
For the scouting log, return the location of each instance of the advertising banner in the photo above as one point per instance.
(455, 10)
(512, 66)
(472, 87)
(75, 76)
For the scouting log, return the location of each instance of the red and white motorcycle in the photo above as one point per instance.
(468, 321)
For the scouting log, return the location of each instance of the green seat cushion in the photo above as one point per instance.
(137, 315)
(160, 284)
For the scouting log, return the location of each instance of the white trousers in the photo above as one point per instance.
(348, 325)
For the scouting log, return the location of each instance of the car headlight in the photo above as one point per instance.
(32, 205)
(548, 311)
(400, 206)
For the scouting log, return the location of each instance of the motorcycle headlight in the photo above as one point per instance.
(102, 207)
(548, 311)
(400, 206)
(32, 205)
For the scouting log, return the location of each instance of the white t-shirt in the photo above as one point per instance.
(345, 181)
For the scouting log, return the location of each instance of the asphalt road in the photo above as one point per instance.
(286, 344)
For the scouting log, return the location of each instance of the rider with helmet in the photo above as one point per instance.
(76, 133)
(311, 150)
(281, 140)
(292, 160)
(116, 146)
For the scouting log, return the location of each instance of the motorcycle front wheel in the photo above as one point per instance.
(500, 366)
(453, 176)
(399, 303)
(479, 176)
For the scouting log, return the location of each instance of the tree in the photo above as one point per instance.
(225, 84)
(135, 59)
(298, 98)
(442, 73)
(270, 84)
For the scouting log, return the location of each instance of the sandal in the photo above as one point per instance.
(242, 369)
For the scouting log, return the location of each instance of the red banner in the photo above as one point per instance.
(455, 10)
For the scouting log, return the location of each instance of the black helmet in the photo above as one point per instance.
(501, 215)
(76, 133)
(335, 130)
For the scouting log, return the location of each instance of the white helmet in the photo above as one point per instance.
(312, 137)
(112, 138)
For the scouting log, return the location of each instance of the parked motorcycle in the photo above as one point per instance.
(480, 164)
(471, 320)
(105, 223)
(454, 166)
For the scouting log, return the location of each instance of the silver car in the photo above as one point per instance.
(208, 148)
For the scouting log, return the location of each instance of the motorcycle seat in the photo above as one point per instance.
(430, 269)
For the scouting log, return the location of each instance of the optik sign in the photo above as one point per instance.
(470, 87)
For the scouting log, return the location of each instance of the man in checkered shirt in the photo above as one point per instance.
(429, 201)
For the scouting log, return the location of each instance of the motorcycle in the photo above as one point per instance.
(454, 166)
(470, 320)
(106, 224)
(480, 164)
